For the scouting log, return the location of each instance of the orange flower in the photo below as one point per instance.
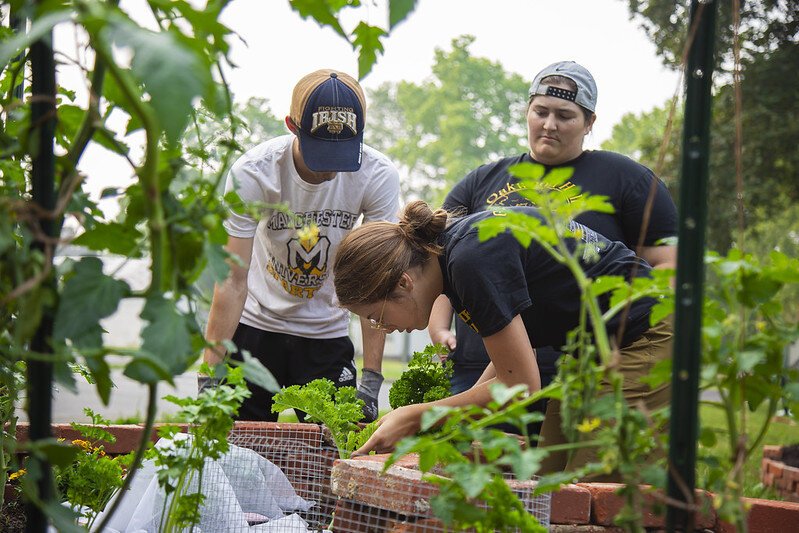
(14, 475)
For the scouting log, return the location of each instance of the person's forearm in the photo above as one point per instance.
(489, 373)
(440, 315)
(440, 322)
(223, 318)
(374, 342)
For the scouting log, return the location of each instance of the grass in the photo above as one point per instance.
(392, 367)
(782, 431)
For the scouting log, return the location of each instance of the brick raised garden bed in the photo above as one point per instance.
(780, 470)
(578, 508)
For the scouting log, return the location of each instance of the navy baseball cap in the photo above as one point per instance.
(328, 109)
(586, 94)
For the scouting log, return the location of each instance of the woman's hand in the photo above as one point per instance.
(394, 426)
(445, 337)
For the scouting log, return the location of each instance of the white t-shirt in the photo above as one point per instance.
(290, 285)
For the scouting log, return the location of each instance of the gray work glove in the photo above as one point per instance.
(368, 391)
(206, 382)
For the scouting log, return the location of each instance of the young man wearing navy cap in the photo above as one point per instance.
(279, 304)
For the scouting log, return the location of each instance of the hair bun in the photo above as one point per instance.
(421, 224)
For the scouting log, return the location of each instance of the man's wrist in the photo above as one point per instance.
(371, 380)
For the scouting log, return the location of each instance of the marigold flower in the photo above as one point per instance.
(18, 474)
(83, 444)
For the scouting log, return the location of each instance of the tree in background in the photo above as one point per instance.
(469, 112)
(770, 118)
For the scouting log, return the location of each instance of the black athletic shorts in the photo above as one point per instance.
(293, 361)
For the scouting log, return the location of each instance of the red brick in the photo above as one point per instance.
(571, 505)
(791, 472)
(560, 528)
(606, 504)
(399, 489)
(775, 467)
(767, 516)
(772, 452)
(353, 517)
(127, 435)
(424, 525)
(406, 461)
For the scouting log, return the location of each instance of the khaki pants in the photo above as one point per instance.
(636, 361)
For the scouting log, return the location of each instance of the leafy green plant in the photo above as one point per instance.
(51, 317)
(337, 408)
(93, 476)
(744, 337)
(471, 459)
(622, 436)
(11, 384)
(425, 379)
(180, 464)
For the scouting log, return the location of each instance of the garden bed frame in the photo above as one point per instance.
(578, 508)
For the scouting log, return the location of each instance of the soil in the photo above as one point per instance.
(12, 519)
(790, 455)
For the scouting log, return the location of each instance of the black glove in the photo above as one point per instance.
(368, 391)
(206, 382)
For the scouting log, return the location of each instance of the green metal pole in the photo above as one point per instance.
(690, 266)
(40, 371)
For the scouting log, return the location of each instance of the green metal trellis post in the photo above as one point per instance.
(690, 265)
(40, 370)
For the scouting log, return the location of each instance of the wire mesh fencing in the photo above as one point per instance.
(341, 495)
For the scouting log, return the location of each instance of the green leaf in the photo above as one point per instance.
(64, 518)
(605, 284)
(367, 43)
(659, 375)
(530, 171)
(526, 463)
(503, 394)
(167, 336)
(471, 478)
(757, 289)
(145, 368)
(707, 437)
(55, 452)
(172, 73)
(398, 10)
(748, 359)
(662, 309)
(112, 237)
(255, 372)
(433, 416)
(101, 373)
(323, 12)
(88, 296)
(40, 28)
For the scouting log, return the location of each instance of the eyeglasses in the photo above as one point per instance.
(378, 324)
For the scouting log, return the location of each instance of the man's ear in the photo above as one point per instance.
(290, 125)
(590, 124)
(405, 282)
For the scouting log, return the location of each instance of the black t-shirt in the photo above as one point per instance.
(489, 283)
(625, 183)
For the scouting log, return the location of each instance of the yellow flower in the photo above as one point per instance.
(308, 235)
(85, 445)
(588, 425)
(14, 475)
